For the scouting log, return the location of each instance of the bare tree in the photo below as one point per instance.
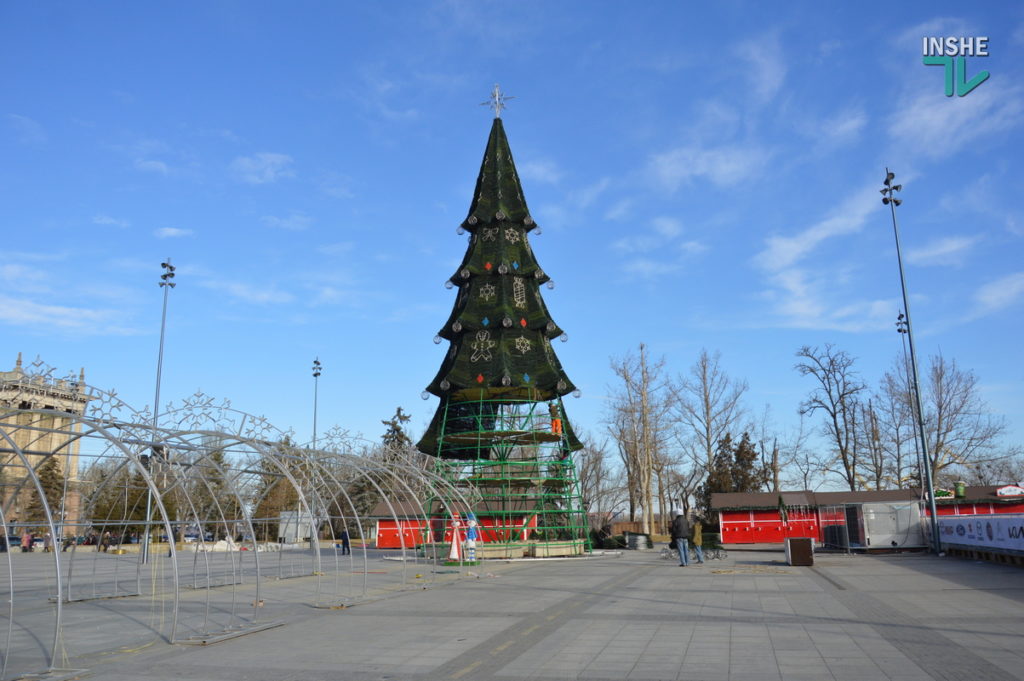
(623, 431)
(769, 451)
(683, 482)
(961, 431)
(640, 425)
(804, 467)
(836, 396)
(600, 483)
(874, 473)
(709, 405)
(894, 401)
(1007, 469)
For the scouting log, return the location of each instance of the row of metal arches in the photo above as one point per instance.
(219, 505)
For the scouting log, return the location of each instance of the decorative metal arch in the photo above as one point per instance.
(243, 524)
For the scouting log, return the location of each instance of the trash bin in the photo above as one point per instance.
(800, 551)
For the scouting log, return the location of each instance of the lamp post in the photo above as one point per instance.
(901, 328)
(166, 283)
(888, 198)
(316, 384)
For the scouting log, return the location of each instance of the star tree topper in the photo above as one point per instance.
(497, 100)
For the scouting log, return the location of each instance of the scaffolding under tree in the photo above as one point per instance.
(500, 433)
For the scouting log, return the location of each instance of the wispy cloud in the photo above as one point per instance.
(377, 92)
(295, 222)
(946, 251)
(935, 26)
(103, 219)
(766, 69)
(585, 196)
(171, 233)
(667, 227)
(334, 295)
(842, 127)
(938, 127)
(656, 251)
(262, 168)
(987, 197)
(152, 166)
(337, 185)
(636, 243)
(619, 210)
(539, 170)
(649, 268)
(26, 130)
(797, 300)
(781, 252)
(999, 294)
(338, 248)
(723, 166)
(797, 294)
(262, 294)
(17, 277)
(59, 318)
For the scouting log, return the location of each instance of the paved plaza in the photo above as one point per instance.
(636, 615)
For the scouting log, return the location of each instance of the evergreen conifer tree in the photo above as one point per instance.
(51, 479)
(500, 330)
(500, 433)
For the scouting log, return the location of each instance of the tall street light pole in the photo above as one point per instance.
(166, 283)
(888, 198)
(901, 328)
(316, 385)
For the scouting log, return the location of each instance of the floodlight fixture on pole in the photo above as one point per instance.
(166, 283)
(904, 326)
(317, 368)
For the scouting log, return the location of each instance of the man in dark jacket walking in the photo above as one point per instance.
(680, 535)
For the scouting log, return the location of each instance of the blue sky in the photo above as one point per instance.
(706, 176)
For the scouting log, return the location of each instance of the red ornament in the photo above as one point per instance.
(522, 322)
(488, 266)
(479, 378)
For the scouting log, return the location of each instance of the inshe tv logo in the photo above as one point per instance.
(952, 53)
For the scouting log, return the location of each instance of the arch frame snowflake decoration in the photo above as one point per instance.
(243, 522)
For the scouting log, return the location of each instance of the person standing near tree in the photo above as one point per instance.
(698, 540)
(26, 542)
(680, 533)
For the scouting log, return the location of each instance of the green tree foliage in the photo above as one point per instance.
(366, 490)
(118, 502)
(747, 474)
(735, 468)
(274, 493)
(216, 505)
(395, 439)
(51, 479)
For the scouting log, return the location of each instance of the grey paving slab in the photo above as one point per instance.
(635, 616)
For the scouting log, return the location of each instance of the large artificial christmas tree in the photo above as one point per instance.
(500, 434)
